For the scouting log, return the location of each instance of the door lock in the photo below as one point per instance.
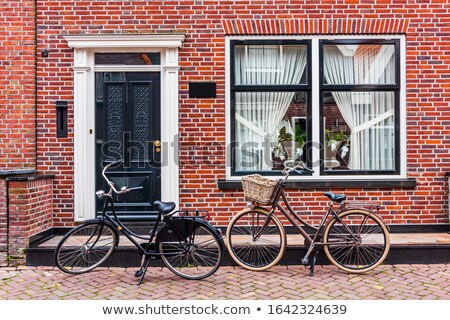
(157, 144)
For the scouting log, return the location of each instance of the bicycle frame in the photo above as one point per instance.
(117, 224)
(311, 243)
(297, 221)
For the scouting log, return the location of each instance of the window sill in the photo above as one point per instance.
(408, 183)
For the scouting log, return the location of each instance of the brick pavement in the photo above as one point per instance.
(283, 282)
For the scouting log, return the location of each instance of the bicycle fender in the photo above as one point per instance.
(371, 213)
(261, 208)
(215, 230)
(249, 208)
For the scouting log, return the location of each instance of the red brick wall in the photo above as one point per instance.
(17, 84)
(30, 212)
(202, 57)
(3, 224)
(17, 97)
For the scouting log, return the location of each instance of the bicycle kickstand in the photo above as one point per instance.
(313, 263)
(143, 268)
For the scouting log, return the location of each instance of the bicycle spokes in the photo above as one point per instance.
(256, 239)
(197, 257)
(85, 248)
(356, 241)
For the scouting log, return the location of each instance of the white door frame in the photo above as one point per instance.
(85, 47)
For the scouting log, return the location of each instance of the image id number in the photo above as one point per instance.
(307, 309)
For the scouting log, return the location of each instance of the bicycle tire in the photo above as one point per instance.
(364, 251)
(255, 254)
(82, 250)
(195, 258)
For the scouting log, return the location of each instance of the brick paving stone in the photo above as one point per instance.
(281, 282)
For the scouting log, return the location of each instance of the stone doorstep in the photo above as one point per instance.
(417, 248)
(296, 240)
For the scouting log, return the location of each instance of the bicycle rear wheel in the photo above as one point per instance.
(195, 258)
(356, 242)
(253, 245)
(85, 247)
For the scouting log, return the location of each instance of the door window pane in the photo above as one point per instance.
(359, 130)
(270, 130)
(149, 58)
(270, 64)
(359, 64)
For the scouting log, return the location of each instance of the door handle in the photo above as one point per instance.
(157, 144)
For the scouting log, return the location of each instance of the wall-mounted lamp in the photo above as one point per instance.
(44, 53)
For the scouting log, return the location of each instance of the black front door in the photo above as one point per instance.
(128, 129)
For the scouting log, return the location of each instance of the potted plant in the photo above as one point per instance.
(285, 140)
(300, 139)
(280, 151)
(336, 139)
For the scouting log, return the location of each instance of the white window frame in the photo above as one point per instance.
(316, 103)
(85, 47)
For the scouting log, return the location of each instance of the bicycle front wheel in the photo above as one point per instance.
(254, 240)
(195, 258)
(85, 247)
(357, 241)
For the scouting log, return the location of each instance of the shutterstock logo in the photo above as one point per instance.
(192, 153)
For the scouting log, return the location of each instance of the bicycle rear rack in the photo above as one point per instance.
(370, 206)
(201, 214)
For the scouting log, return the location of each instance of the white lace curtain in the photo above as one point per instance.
(369, 115)
(259, 114)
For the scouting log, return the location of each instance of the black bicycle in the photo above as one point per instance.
(186, 242)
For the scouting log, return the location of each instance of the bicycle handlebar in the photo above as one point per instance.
(298, 169)
(122, 190)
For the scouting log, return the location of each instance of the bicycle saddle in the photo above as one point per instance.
(164, 207)
(335, 197)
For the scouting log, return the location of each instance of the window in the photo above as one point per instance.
(360, 92)
(356, 128)
(270, 93)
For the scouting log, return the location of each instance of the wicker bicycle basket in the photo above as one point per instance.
(259, 189)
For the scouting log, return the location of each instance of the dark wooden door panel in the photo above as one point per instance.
(127, 124)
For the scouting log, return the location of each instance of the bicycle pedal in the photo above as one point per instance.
(138, 273)
(305, 261)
